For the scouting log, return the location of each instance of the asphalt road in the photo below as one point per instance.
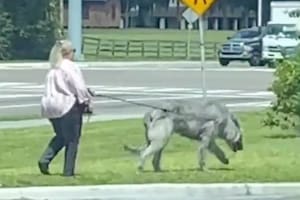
(21, 90)
(179, 197)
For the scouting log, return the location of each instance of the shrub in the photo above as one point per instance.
(285, 110)
(5, 35)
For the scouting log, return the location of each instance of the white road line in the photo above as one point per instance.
(129, 99)
(261, 93)
(247, 104)
(10, 84)
(17, 96)
(183, 95)
(157, 68)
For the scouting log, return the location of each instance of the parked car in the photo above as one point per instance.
(244, 45)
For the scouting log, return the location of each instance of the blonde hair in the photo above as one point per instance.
(58, 51)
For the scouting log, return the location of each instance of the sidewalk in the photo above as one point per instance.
(158, 192)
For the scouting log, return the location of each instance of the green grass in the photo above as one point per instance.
(19, 117)
(210, 36)
(269, 156)
(156, 34)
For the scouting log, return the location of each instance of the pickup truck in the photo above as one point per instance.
(244, 45)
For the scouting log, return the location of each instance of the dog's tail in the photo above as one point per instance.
(135, 150)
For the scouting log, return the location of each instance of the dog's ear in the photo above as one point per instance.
(235, 120)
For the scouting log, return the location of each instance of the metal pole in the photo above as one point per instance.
(201, 34)
(190, 27)
(61, 5)
(75, 26)
(259, 12)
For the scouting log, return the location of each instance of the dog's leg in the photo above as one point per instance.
(156, 160)
(203, 152)
(154, 147)
(217, 151)
(207, 136)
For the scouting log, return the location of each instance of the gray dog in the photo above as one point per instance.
(204, 121)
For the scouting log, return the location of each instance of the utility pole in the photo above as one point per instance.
(75, 26)
(259, 12)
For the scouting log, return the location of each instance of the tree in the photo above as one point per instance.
(35, 26)
(5, 34)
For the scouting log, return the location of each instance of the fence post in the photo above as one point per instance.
(98, 48)
(83, 44)
(143, 48)
(215, 50)
(158, 49)
(113, 48)
(187, 46)
(173, 48)
(127, 47)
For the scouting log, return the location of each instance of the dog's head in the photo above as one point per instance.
(233, 134)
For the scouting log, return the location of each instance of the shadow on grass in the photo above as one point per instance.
(281, 136)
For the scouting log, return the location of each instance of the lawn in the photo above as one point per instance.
(269, 155)
(156, 34)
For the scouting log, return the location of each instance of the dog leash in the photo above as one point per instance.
(133, 102)
(146, 105)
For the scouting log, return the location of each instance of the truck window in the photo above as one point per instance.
(246, 34)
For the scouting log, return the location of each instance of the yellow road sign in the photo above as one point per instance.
(199, 6)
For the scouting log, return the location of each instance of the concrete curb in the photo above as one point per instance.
(151, 191)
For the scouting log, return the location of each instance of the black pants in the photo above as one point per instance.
(67, 134)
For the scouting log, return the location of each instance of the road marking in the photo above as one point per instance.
(17, 96)
(260, 93)
(9, 84)
(247, 104)
(214, 68)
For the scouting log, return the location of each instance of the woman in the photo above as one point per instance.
(63, 103)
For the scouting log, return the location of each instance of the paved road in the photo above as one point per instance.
(20, 90)
(264, 197)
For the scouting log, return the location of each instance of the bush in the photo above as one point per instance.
(5, 35)
(285, 110)
(31, 28)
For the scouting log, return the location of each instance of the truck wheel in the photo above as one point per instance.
(255, 60)
(224, 62)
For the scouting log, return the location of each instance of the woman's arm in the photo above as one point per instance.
(77, 85)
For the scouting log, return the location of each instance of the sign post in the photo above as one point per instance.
(191, 17)
(200, 7)
(202, 46)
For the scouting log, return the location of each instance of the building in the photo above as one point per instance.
(224, 14)
(98, 13)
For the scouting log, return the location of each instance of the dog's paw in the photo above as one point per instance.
(205, 170)
(140, 169)
(226, 161)
(125, 147)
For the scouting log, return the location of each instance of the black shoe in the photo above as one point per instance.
(44, 168)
